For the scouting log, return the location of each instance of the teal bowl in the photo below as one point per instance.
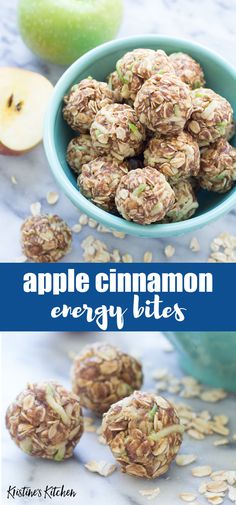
(208, 356)
(98, 63)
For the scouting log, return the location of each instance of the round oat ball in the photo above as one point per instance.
(177, 157)
(102, 375)
(218, 167)
(185, 205)
(45, 238)
(188, 69)
(136, 66)
(164, 104)
(80, 150)
(46, 421)
(115, 85)
(144, 434)
(83, 102)
(144, 196)
(230, 131)
(117, 131)
(99, 180)
(211, 117)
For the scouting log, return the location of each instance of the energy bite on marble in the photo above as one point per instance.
(176, 157)
(144, 196)
(80, 150)
(45, 421)
(164, 104)
(117, 131)
(45, 238)
(99, 180)
(218, 167)
(188, 69)
(102, 375)
(115, 85)
(83, 102)
(136, 66)
(211, 118)
(144, 434)
(185, 205)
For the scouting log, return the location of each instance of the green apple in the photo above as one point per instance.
(61, 31)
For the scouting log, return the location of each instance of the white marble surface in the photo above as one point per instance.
(28, 357)
(210, 22)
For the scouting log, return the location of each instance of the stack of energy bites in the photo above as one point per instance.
(142, 429)
(150, 138)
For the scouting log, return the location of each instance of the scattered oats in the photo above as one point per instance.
(127, 258)
(221, 441)
(195, 434)
(100, 467)
(194, 245)
(115, 256)
(221, 419)
(35, 208)
(88, 420)
(83, 220)
(20, 259)
(188, 497)
(216, 486)
(169, 251)
(76, 228)
(228, 476)
(52, 197)
(95, 250)
(213, 395)
(147, 258)
(220, 430)
(202, 488)
(92, 223)
(103, 229)
(89, 428)
(215, 500)
(118, 234)
(185, 459)
(13, 180)
(150, 494)
(202, 471)
(223, 249)
(160, 373)
(232, 494)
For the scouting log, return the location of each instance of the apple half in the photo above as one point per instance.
(24, 97)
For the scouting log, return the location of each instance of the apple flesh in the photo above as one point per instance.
(60, 31)
(24, 96)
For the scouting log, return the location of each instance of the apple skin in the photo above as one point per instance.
(60, 31)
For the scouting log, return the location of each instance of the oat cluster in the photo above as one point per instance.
(154, 114)
(46, 421)
(102, 375)
(144, 434)
(45, 238)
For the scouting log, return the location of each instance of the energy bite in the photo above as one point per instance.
(144, 196)
(164, 104)
(117, 131)
(144, 434)
(102, 375)
(99, 180)
(136, 66)
(45, 421)
(188, 69)
(83, 102)
(218, 167)
(45, 238)
(176, 157)
(185, 205)
(211, 118)
(80, 150)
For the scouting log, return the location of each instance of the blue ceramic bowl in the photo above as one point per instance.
(98, 63)
(208, 356)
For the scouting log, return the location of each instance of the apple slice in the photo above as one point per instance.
(24, 96)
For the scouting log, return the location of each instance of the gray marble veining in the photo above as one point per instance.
(210, 22)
